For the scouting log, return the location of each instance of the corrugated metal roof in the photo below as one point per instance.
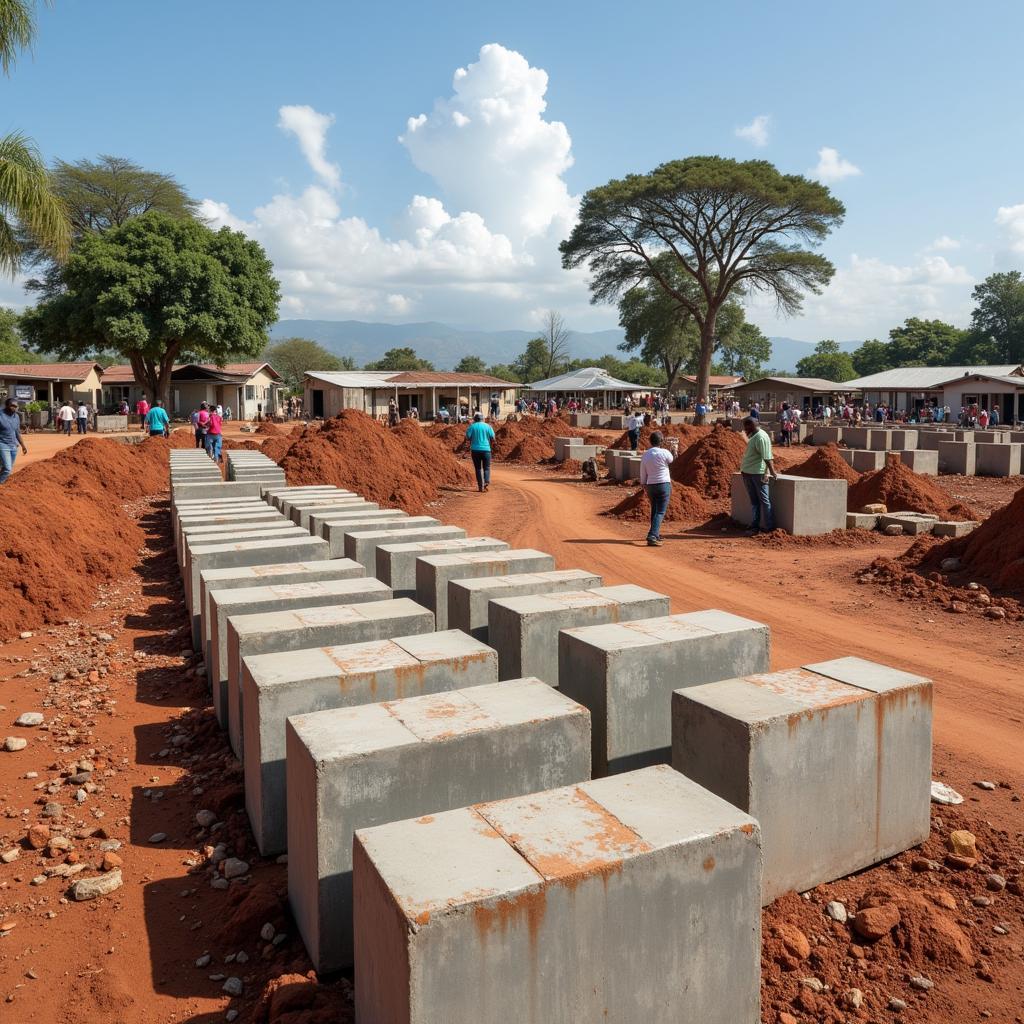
(807, 383)
(922, 378)
(1012, 380)
(123, 374)
(407, 379)
(589, 378)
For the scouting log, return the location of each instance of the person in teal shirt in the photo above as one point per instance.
(757, 468)
(157, 420)
(480, 436)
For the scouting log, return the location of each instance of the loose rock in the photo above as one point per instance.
(233, 986)
(874, 923)
(101, 885)
(15, 743)
(29, 719)
(836, 911)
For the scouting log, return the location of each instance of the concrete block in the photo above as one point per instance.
(834, 761)
(822, 434)
(361, 544)
(468, 599)
(257, 514)
(861, 521)
(396, 559)
(879, 440)
(997, 459)
(582, 452)
(912, 523)
(329, 626)
(957, 457)
(631, 468)
(865, 461)
(273, 597)
(525, 630)
(563, 906)
(953, 529)
(931, 439)
(625, 673)
(277, 686)
(1015, 437)
(562, 444)
(803, 506)
(278, 496)
(381, 515)
(857, 437)
(336, 529)
(903, 440)
(288, 503)
(846, 454)
(964, 435)
(193, 535)
(271, 490)
(215, 490)
(302, 515)
(922, 461)
(434, 573)
(364, 766)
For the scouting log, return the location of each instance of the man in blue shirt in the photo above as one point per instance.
(157, 420)
(10, 438)
(480, 436)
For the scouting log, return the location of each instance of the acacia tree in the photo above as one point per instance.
(156, 290)
(730, 227)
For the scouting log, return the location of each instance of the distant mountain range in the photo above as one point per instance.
(444, 345)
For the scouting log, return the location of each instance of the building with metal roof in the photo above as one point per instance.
(802, 392)
(593, 382)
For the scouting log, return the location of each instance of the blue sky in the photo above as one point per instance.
(287, 121)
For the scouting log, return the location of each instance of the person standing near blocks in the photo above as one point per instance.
(480, 436)
(655, 480)
(757, 468)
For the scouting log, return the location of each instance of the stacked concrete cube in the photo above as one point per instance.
(921, 460)
(957, 457)
(336, 530)
(834, 761)
(992, 459)
(361, 545)
(803, 506)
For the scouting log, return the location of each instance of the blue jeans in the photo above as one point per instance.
(213, 446)
(634, 438)
(82, 425)
(8, 454)
(658, 495)
(760, 501)
(482, 468)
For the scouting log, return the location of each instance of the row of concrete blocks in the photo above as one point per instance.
(800, 434)
(613, 421)
(574, 448)
(246, 466)
(622, 464)
(911, 523)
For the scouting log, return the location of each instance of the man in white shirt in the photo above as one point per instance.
(65, 416)
(83, 418)
(633, 425)
(655, 480)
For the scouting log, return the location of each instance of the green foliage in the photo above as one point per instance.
(827, 362)
(157, 288)
(998, 318)
(924, 343)
(292, 357)
(17, 30)
(470, 364)
(504, 372)
(11, 349)
(873, 356)
(532, 364)
(400, 359)
(743, 351)
(34, 406)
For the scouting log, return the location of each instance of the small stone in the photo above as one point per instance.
(110, 861)
(814, 984)
(960, 863)
(101, 885)
(943, 794)
(267, 932)
(963, 844)
(787, 1018)
(52, 810)
(837, 911)
(242, 957)
(921, 983)
(25, 636)
(110, 845)
(233, 986)
(874, 923)
(11, 855)
(922, 864)
(219, 883)
(996, 612)
(204, 819)
(973, 586)
(13, 744)
(233, 867)
(853, 998)
(231, 1015)
(897, 1005)
(204, 960)
(38, 836)
(958, 607)
(1003, 928)
(158, 837)
(986, 785)
(950, 564)
(995, 882)
(875, 509)
(29, 719)
(981, 901)
(894, 530)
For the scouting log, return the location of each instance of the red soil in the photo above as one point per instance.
(684, 431)
(277, 448)
(529, 440)
(900, 489)
(826, 464)
(708, 465)
(685, 506)
(269, 429)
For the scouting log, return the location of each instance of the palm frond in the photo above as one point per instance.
(17, 28)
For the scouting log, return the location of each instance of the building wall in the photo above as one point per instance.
(986, 394)
(426, 401)
(88, 390)
(772, 398)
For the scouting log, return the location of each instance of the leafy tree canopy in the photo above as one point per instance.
(503, 372)
(11, 349)
(156, 289)
(292, 357)
(470, 364)
(925, 343)
(828, 362)
(998, 317)
(872, 356)
(400, 359)
(532, 364)
(743, 351)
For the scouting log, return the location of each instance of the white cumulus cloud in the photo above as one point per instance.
(310, 128)
(944, 244)
(833, 167)
(1011, 220)
(756, 132)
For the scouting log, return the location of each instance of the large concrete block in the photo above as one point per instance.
(635, 898)
(364, 766)
(903, 440)
(327, 626)
(302, 514)
(524, 630)
(196, 532)
(880, 440)
(274, 597)
(997, 459)
(468, 599)
(381, 515)
(361, 545)
(626, 674)
(834, 761)
(803, 506)
(396, 559)
(823, 434)
(921, 460)
(278, 496)
(857, 437)
(277, 686)
(336, 532)
(865, 461)
(215, 490)
(258, 514)
(957, 457)
(562, 446)
(434, 573)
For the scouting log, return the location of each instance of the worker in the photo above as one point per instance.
(157, 420)
(10, 438)
(633, 425)
(141, 408)
(213, 438)
(757, 468)
(83, 418)
(655, 480)
(480, 435)
(65, 417)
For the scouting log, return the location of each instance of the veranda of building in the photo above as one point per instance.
(326, 394)
(592, 382)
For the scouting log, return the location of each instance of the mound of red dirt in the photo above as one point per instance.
(709, 463)
(900, 489)
(63, 530)
(277, 448)
(826, 464)
(684, 431)
(269, 429)
(530, 451)
(685, 506)
(396, 467)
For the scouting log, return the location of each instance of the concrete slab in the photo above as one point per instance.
(381, 515)
(921, 461)
(997, 459)
(770, 744)
(434, 573)
(273, 597)
(563, 906)
(857, 437)
(626, 673)
(278, 496)
(299, 512)
(879, 440)
(335, 531)
(300, 628)
(277, 686)
(957, 456)
(913, 523)
(525, 630)
(364, 766)
(822, 434)
(903, 440)
(562, 444)
(931, 439)
(861, 521)
(361, 545)
(867, 461)
(803, 506)
(193, 529)
(396, 559)
(270, 491)
(468, 599)
(954, 529)
(287, 503)
(215, 490)
(260, 513)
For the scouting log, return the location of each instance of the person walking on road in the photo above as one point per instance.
(633, 425)
(65, 416)
(141, 408)
(157, 421)
(480, 436)
(214, 436)
(10, 438)
(757, 468)
(655, 480)
(83, 418)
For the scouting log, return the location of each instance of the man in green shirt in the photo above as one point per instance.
(757, 469)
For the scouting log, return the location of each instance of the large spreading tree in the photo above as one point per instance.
(292, 357)
(998, 318)
(156, 291)
(730, 227)
(827, 362)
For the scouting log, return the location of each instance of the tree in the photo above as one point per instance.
(470, 364)
(730, 227)
(634, 370)
(292, 357)
(504, 372)
(11, 349)
(924, 343)
(556, 341)
(400, 359)
(531, 365)
(743, 351)
(17, 30)
(998, 317)
(872, 356)
(828, 362)
(156, 289)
